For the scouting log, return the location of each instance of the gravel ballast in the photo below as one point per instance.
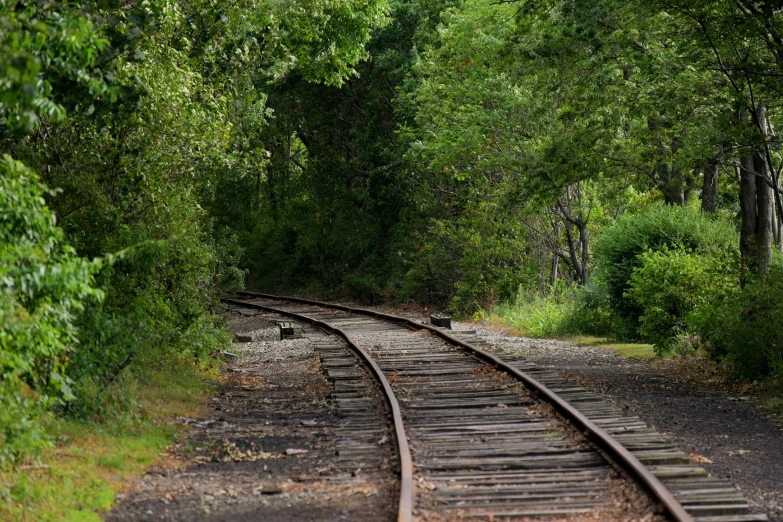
(265, 447)
(727, 432)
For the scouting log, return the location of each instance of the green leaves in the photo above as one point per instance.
(668, 285)
(326, 38)
(626, 258)
(47, 50)
(43, 286)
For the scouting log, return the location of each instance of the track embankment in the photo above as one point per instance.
(499, 437)
(296, 431)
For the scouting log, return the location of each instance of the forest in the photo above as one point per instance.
(597, 167)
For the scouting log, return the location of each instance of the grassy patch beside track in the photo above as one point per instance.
(630, 350)
(542, 319)
(79, 477)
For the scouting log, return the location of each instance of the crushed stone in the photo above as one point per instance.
(263, 449)
(256, 352)
(732, 436)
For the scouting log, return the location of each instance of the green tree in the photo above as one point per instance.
(44, 287)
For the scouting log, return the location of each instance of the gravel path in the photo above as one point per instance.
(727, 432)
(743, 444)
(264, 449)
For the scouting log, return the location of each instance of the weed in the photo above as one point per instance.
(78, 479)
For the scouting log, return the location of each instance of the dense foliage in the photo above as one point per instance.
(607, 167)
(744, 326)
(653, 263)
(119, 121)
(44, 287)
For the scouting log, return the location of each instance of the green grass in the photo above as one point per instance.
(78, 478)
(537, 317)
(775, 404)
(630, 350)
(547, 317)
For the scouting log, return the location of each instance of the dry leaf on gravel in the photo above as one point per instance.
(700, 459)
(228, 451)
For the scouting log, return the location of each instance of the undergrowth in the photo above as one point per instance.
(533, 315)
(78, 478)
(561, 312)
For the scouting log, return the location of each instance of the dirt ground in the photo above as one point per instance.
(735, 437)
(266, 448)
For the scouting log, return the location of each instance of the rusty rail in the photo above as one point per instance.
(597, 435)
(405, 508)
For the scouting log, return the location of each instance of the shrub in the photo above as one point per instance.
(228, 254)
(590, 312)
(468, 264)
(745, 327)
(535, 315)
(563, 311)
(158, 294)
(44, 284)
(670, 284)
(620, 250)
(365, 287)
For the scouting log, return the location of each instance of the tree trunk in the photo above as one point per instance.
(776, 229)
(756, 208)
(765, 208)
(778, 222)
(583, 237)
(572, 251)
(271, 190)
(747, 197)
(765, 203)
(671, 184)
(577, 249)
(675, 188)
(555, 259)
(709, 189)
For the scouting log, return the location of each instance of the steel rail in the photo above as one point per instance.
(616, 451)
(405, 506)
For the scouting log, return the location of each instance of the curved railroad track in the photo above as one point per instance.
(497, 437)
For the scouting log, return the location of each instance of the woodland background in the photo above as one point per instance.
(603, 167)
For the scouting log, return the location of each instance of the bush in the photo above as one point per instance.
(670, 284)
(363, 286)
(745, 327)
(468, 264)
(229, 277)
(44, 284)
(534, 315)
(562, 310)
(158, 294)
(590, 312)
(620, 250)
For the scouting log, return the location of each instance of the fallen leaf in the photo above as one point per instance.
(700, 459)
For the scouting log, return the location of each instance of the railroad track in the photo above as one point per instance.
(485, 436)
